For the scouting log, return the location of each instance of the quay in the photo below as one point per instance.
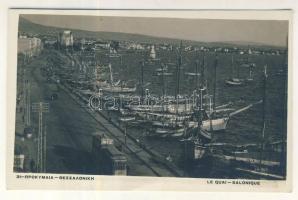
(157, 164)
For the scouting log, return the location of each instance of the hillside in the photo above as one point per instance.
(32, 28)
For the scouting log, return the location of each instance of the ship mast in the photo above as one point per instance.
(163, 89)
(200, 95)
(214, 82)
(202, 88)
(203, 72)
(200, 108)
(284, 136)
(111, 74)
(163, 81)
(264, 100)
(110, 68)
(142, 79)
(238, 70)
(196, 73)
(232, 62)
(264, 114)
(250, 71)
(179, 61)
(212, 112)
(178, 68)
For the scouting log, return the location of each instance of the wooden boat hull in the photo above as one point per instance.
(117, 89)
(234, 83)
(199, 151)
(166, 132)
(127, 119)
(207, 135)
(217, 124)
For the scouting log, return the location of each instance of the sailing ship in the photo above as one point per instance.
(113, 53)
(210, 124)
(250, 159)
(113, 87)
(171, 121)
(260, 166)
(234, 81)
(172, 118)
(216, 118)
(250, 78)
(250, 66)
(215, 122)
(219, 124)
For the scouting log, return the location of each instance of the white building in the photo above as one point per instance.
(152, 52)
(65, 39)
(29, 46)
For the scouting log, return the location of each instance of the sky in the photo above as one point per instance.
(269, 32)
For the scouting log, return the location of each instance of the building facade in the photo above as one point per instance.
(65, 39)
(29, 46)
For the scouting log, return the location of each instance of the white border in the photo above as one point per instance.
(135, 183)
(165, 4)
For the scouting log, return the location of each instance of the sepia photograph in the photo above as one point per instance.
(198, 98)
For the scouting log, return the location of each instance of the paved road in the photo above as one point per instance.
(69, 130)
(154, 161)
(149, 159)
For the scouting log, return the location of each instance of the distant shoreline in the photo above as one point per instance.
(26, 26)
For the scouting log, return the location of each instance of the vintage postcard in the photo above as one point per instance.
(149, 100)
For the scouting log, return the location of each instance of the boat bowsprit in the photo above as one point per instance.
(205, 134)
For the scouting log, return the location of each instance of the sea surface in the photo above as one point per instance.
(244, 128)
